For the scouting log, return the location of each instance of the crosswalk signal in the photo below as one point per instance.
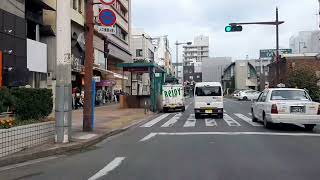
(233, 28)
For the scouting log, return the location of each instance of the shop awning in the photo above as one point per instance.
(141, 67)
(115, 75)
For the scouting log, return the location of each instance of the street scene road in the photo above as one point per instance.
(177, 146)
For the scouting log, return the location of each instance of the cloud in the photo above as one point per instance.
(183, 19)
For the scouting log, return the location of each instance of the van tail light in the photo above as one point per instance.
(274, 109)
(319, 109)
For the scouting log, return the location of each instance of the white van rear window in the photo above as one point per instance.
(208, 91)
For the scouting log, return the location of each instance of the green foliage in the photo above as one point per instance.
(6, 99)
(32, 103)
(302, 78)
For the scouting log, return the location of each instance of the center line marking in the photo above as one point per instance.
(109, 167)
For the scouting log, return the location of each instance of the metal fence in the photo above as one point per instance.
(23, 137)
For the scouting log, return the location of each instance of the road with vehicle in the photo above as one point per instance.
(178, 146)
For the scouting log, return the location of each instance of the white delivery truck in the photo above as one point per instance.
(173, 97)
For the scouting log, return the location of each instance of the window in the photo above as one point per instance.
(263, 96)
(120, 33)
(208, 91)
(74, 4)
(80, 6)
(139, 53)
(191, 77)
(198, 76)
(290, 95)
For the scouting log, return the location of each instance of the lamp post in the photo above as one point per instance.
(304, 46)
(177, 54)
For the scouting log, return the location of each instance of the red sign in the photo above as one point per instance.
(107, 17)
(107, 2)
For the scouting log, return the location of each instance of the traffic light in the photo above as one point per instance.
(233, 28)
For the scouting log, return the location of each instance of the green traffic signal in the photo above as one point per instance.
(233, 28)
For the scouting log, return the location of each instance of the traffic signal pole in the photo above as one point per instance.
(274, 23)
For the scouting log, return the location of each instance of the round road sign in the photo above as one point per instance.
(107, 2)
(107, 17)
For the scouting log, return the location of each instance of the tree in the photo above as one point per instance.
(304, 78)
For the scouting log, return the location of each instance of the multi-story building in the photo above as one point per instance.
(193, 56)
(305, 42)
(212, 68)
(141, 46)
(162, 54)
(240, 74)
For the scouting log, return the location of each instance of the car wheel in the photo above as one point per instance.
(266, 124)
(309, 127)
(254, 119)
(197, 116)
(245, 98)
(183, 109)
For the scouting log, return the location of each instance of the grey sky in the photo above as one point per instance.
(183, 19)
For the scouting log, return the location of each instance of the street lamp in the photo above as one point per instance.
(177, 55)
(304, 46)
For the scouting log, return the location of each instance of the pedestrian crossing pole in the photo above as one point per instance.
(63, 107)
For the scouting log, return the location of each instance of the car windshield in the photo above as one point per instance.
(290, 95)
(208, 91)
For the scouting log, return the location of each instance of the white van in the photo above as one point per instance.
(208, 99)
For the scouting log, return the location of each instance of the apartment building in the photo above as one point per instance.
(193, 56)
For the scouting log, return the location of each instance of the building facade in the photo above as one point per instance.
(212, 68)
(141, 46)
(193, 56)
(305, 42)
(290, 62)
(240, 74)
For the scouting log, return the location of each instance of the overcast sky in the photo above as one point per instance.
(183, 19)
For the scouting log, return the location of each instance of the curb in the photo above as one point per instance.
(73, 146)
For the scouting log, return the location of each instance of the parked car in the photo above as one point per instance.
(235, 94)
(286, 105)
(248, 95)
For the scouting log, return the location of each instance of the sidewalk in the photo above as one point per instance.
(109, 120)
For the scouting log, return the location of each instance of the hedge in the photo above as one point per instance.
(29, 103)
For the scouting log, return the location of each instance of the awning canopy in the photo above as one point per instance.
(141, 67)
(115, 75)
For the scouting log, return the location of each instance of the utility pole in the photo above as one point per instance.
(277, 45)
(177, 56)
(89, 28)
(63, 96)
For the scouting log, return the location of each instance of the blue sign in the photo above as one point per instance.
(107, 17)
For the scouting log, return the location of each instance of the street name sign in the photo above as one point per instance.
(107, 17)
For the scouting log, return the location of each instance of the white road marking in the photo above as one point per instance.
(149, 136)
(230, 121)
(155, 121)
(231, 134)
(191, 121)
(246, 119)
(210, 122)
(109, 167)
(187, 106)
(85, 137)
(250, 114)
(171, 121)
(5, 168)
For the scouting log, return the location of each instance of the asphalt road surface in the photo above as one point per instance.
(176, 146)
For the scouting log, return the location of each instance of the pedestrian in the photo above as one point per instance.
(115, 97)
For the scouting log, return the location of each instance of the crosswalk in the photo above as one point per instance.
(169, 120)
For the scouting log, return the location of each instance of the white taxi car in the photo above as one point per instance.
(286, 105)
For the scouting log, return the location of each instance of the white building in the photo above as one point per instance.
(212, 68)
(305, 42)
(142, 47)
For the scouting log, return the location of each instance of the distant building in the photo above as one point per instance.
(142, 47)
(290, 62)
(162, 54)
(212, 68)
(240, 74)
(305, 42)
(193, 56)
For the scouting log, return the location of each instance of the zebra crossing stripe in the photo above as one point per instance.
(230, 121)
(246, 119)
(191, 121)
(210, 122)
(171, 121)
(155, 121)
(250, 114)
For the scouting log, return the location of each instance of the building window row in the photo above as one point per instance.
(120, 33)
